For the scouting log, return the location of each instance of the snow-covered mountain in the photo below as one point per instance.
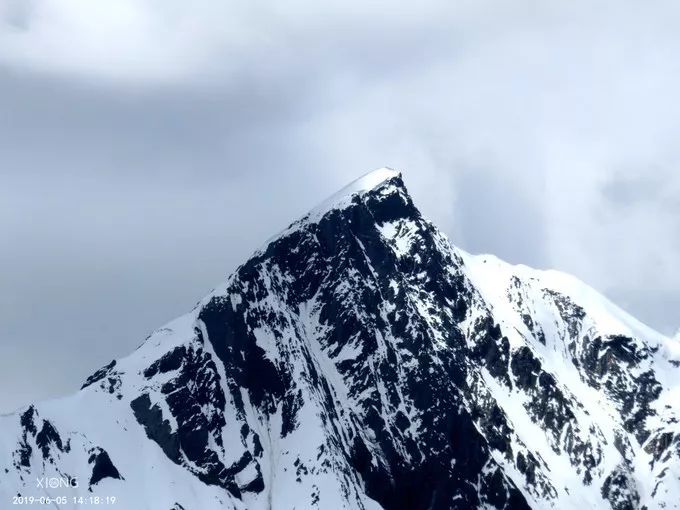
(360, 361)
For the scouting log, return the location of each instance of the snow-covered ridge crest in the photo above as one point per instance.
(492, 275)
(341, 198)
(366, 182)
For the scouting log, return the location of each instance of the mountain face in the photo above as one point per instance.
(360, 361)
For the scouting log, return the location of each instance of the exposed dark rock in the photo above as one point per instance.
(619, 489)
(156, 426)
(99, 374)
(102, 467)
(47, 437)
(525, 367)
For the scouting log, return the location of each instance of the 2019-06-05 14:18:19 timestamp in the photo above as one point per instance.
(64, 500)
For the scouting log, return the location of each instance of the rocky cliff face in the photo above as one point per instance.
(361, 361)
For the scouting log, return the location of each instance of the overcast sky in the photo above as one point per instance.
(147, 147)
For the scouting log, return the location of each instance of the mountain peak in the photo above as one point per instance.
(368, 182)
(363, 184)
(362, 362)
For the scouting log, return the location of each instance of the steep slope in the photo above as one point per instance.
(624, 375)
(360, 361)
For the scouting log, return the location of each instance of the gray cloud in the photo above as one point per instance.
(143, 161)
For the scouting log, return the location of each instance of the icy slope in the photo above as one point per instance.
(360, 361)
